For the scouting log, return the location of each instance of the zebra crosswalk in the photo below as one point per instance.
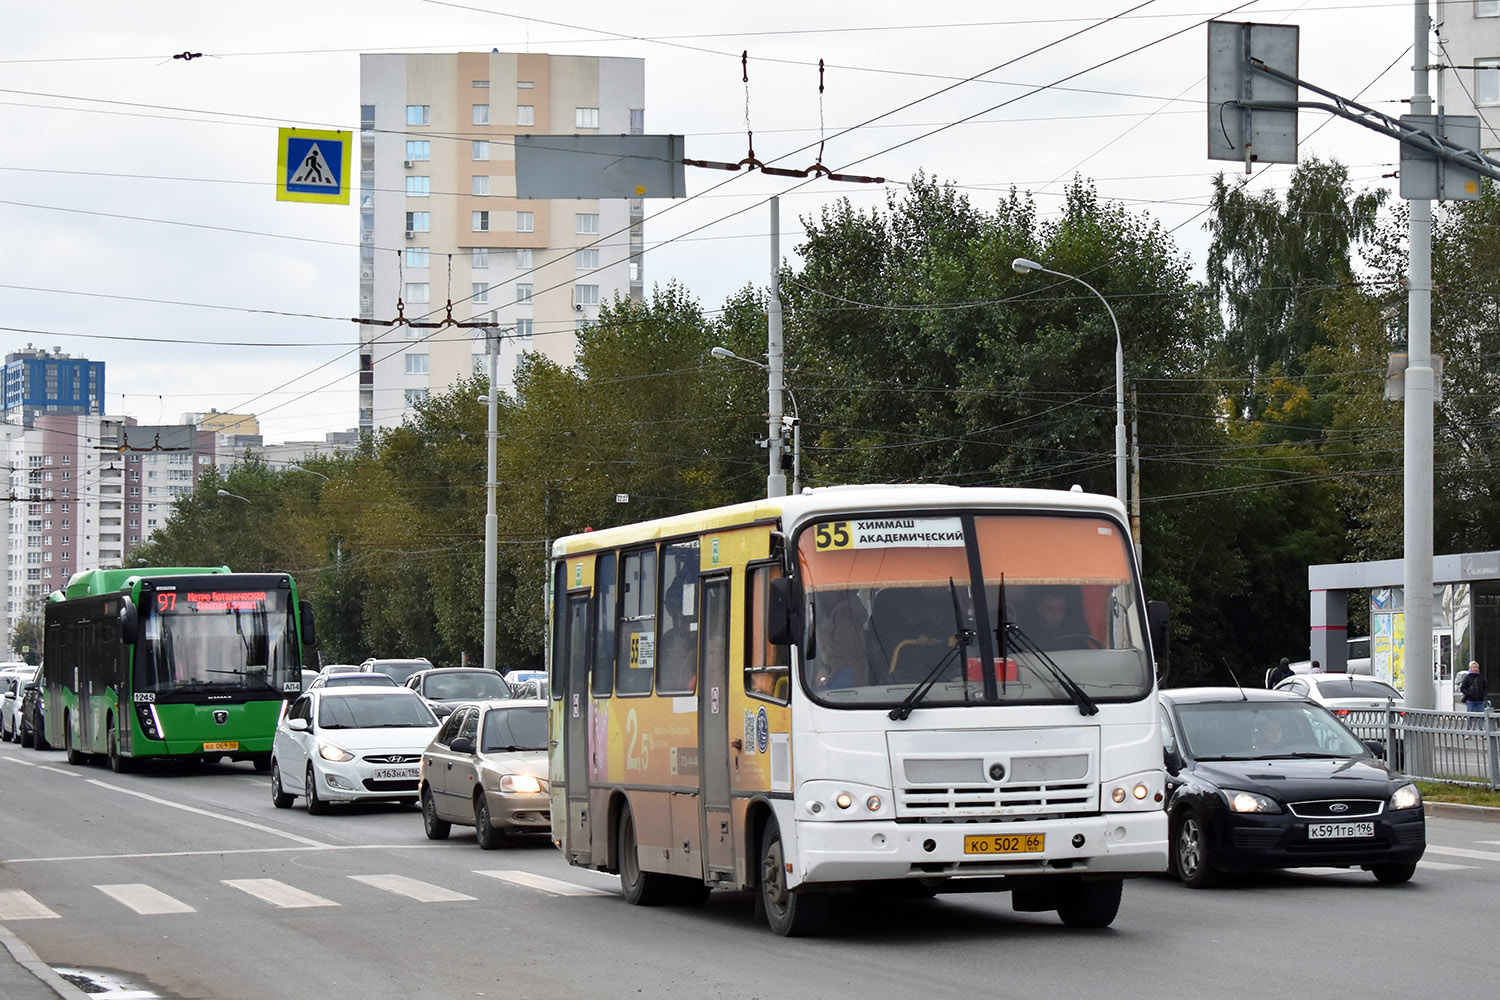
(147, 900)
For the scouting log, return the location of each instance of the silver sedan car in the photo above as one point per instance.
(487, 768)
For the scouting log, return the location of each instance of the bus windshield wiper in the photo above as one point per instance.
(963, 638)
(1023, 642)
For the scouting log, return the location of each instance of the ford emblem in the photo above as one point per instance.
(221, 716)
(1338, 807)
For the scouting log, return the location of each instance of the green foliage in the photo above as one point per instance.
(26, 638)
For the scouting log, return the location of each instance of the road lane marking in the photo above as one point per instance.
(59, 770)
(1464, 852)
(221, 853)
(288, 897)
(17, 760)
(1443, 866)
(18, 905)
(422, 892)
(555, 886)
(212, 815)
(143, 899)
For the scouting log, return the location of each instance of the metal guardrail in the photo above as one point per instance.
(1460, 748)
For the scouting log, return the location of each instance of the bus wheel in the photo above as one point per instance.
(117, 763)
(262, 762)
(790, 914)
(640, 888)
(75, 758)
(1092, 904)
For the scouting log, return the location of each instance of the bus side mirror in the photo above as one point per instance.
(1158, 620)
(309, 632)
(130, 621)
(781, 612)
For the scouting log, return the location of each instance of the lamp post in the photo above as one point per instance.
(794, 421)
(1023, 266)
(226, 493)
(310, 472)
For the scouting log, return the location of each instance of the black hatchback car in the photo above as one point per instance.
(1262, 779)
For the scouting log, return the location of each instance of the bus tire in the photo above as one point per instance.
(789, 914)
(315, 805)
(1092, 904)
(118, 763)
(279, 798)
(75, 759)
(640, 888)
(435, 827)
(262, 762)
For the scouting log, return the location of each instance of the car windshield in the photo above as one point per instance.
(1355, 687)
(899, 602)
(1259, 730)
(374, 711)
(475, 685)
(399, 670)
(358, 680)
(518, 728)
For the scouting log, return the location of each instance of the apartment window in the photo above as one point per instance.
(523, 257)
(481, 114)
(586, 222)
(479, 149)
(525, 114)
(67, 459)
(586, 117)
(416, 291)
(525, 222)
(525, 85)
(47, 460)
(479, 257)
(1487, 8)
(523, 291)
(418, 222)
(586, 295)
(481, 291)
(416, 257)
(523, 329)
(479, 222)
(415, 396)
(418, 114)
(418, 149)
(483, 84)
(637, 121)
(416, 364)
(635, 271)
(588, 259)
(1487, 81)
(480, 184)
(418, 187)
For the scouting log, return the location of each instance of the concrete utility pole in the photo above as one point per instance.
(1417, 486)
(491, 520)
(775, 477)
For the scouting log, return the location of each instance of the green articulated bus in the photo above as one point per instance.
(172, 662)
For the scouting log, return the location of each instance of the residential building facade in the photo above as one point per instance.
(440, 222)
(39, 381)
(1471, 47)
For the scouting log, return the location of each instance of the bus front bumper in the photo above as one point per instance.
(1131, 843)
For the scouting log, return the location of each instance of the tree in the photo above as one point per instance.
(26, 638)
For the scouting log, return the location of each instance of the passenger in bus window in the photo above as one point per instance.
(842, 659)
(1055, 621)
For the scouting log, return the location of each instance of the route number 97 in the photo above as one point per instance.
(832, 535)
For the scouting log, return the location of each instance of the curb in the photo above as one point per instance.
(27, 959)
(1458, 810)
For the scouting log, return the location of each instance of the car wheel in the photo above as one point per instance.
(1190, 852)
(435, 828)
(640, 888)
(39, 734)
(1393, 874)
(279, 798)
(25, 737)
(315, 805)
(118, 763)
(790, 914)
(1092, 904)
(488, 836)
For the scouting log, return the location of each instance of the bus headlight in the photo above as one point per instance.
(844, 800)
(338, 754)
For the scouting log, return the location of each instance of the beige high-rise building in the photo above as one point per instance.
(1471, 37)
(440, 221)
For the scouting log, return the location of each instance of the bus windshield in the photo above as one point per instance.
(899, 602)
(213, 640)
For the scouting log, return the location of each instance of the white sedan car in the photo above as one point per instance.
(1342, 693)
(350, 743)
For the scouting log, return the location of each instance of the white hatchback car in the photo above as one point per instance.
(348, 744)
(13, 679)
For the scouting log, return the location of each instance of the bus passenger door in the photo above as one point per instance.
(713, 737)
(575, 675)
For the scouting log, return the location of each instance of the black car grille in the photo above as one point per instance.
(1338, 808)
(1256, 839)
(390, 786)
(393, 758)
(1410, 833)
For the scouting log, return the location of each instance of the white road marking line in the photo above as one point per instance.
(1443, 866)
(288, 897)
(17, 760)
(422, 892)
(59, 770)
(212, 815)
(245, 850)
(555, 886)
(143, 899)
(1464, 852)
(18, 905)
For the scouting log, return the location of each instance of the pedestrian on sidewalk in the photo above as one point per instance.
(1474, 690)
(1282, 672)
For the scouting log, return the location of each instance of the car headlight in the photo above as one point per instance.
(519, 783)
(330, 752)
(1406, 797)
(1250, 802)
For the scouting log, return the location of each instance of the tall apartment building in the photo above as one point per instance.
(440, 221)
(41, 381)
(1471, 37)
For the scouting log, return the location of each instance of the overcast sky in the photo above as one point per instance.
(139, 214)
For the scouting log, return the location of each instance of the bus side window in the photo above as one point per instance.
(635, 659)
(767, 666)
(606, 607)
(677, 649)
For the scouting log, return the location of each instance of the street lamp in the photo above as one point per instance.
(794, 421)
(310, 472)
(1023, 266)
(226, 493)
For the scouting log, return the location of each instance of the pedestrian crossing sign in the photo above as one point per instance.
(312, 166)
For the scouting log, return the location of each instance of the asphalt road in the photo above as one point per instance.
(187, 883)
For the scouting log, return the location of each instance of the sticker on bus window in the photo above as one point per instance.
(889, 533)
(642, 651)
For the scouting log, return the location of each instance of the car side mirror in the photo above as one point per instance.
(298, 725)
(461, 744)
(1173, 760)
(1375, 747)
(32, 686)
(11, 695)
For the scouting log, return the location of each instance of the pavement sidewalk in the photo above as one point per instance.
(24, 976)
